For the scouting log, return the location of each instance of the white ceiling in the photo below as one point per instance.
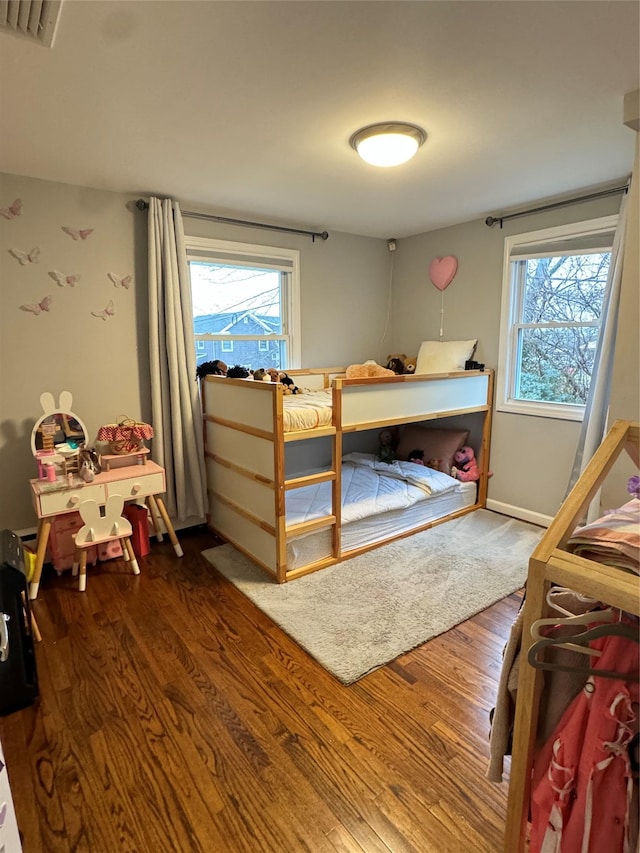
(246, 108)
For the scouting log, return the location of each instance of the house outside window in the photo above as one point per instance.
(246, 301)
(554, 284)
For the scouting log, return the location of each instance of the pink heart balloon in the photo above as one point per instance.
(442, 271)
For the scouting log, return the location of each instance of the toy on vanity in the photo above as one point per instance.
(57, 437)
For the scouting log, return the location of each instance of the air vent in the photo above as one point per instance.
(33, 19)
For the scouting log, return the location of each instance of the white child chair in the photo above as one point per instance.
(98, 529)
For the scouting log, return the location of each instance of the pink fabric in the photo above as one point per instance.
(581, 787)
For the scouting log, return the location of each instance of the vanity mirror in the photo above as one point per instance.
(57, 436)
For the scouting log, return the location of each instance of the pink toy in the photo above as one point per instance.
(465, 465)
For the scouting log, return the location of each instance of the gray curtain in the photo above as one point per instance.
(595, 421)
(175, 403)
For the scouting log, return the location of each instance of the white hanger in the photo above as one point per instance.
(607, 615)
(562, 590)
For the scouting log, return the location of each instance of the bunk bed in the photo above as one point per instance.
(268, 455)
(553, 563)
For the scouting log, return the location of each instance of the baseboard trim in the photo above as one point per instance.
(519, 512)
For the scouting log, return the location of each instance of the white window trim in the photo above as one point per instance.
(508, 311)
(232, 251)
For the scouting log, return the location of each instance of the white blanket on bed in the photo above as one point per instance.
(369, 487)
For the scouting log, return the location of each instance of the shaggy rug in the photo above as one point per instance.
(364, 612)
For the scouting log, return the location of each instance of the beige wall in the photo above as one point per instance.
(531, 457)
(344, 300)
(104, 363)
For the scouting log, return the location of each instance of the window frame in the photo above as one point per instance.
(210, 250)
(510, 322)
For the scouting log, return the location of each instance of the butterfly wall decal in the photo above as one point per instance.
(37, 307)
(120, 282)
(13, 210)
(77, 233)
(63, 279)
(109, 311)
(32, 257)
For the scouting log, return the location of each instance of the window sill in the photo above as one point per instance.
(557, 411)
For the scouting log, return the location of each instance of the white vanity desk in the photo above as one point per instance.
(137, 482)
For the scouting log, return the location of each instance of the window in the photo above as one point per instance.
(553, 287)
(245, 301)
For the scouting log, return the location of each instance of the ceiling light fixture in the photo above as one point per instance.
(388, 144)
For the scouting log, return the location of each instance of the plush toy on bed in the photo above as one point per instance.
(416, 456)
(261, 375)
(367, 370)
(396, 362)
(465, 465)
(288, 385)
(211, 368)
(238, 372)
(386, 449)
(436, 464)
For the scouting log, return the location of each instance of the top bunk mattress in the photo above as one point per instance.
(307, 410)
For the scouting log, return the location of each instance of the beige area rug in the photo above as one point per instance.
(362, 613)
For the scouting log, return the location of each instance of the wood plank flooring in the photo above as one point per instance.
(175, 716)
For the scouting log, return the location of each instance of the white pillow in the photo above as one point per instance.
(444, 356)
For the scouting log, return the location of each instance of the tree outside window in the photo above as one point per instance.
(555, 283)
(246, 302)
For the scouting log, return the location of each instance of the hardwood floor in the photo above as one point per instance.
(174, 716)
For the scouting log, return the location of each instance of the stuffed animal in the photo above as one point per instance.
(238, 372)
(465, 465)
(396, 362)
(416, 456)
(434, 463)
(367, 370)
(261, 375)
(288, 385)
(386, 450)
(410, 366)
(274, 374)
(211, 368)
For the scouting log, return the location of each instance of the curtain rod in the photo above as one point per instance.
(141, 204)
(491, 220)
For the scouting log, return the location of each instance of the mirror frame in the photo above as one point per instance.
(44, 417)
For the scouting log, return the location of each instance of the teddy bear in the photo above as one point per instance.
(410, 366)
(434, 463)
(288, 385)
(367, 370)
(386, 449)
(396, 362)
(465, 467)
(261, 375)
(416, 456)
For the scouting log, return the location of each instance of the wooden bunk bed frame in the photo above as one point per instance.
(245, 443)
(550, 564)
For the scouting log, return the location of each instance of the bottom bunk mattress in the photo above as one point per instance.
(379, 501)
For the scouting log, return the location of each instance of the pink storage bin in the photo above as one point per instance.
(61, 544)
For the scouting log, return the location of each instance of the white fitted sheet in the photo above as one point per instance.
(310, 547)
